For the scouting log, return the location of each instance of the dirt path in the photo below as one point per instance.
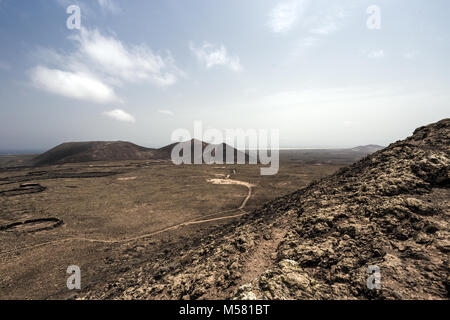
(261, 259)
(171, 228)
(242, 183)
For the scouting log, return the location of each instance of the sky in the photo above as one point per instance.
(336, 73)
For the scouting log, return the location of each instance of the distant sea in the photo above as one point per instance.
(7, 152)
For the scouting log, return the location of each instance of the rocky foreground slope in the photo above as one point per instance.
(390, 209)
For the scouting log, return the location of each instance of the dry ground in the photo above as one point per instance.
(109, 217)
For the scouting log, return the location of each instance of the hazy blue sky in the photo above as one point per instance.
(137, 70)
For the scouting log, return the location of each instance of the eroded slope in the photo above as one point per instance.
(390, 209)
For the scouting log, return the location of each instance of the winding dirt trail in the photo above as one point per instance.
(171, 228)
(242, 183)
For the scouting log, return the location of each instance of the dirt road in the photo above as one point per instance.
(171, 228)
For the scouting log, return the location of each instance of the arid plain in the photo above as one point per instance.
(109, 217)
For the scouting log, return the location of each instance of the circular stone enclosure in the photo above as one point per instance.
(33, 225)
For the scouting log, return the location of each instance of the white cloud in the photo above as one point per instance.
(376, 54)
(212, 55)
(110, 6)
(127, 63)
(284, 15)
(167, 112)
(80, 86)
(120, 115)
(108, 63)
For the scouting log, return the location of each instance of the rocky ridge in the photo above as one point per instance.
(391, 209)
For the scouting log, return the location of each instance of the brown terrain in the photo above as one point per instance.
(147, 229)
(391, 209)
(109, 217)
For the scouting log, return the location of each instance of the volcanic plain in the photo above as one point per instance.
(110, 217)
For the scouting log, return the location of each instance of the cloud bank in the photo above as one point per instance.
(81, 86)
(103, 62)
